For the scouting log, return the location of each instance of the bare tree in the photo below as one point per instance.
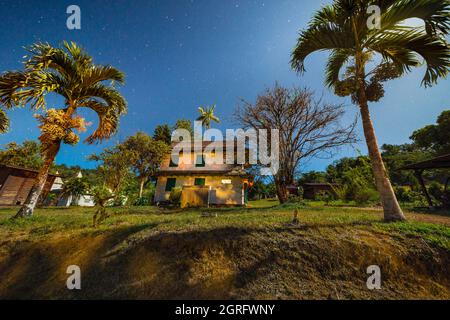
(308, 128)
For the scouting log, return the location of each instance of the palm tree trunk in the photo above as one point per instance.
(392, 210)
(33, 197)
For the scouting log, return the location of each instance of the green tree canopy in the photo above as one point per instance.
(115, 167)
(147, 155)
(163, 133)
(436, 137)
(184, 124)
(27, 154)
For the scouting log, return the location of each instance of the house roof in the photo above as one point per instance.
(25, 169)
(205, 144)
(435, 163)
(226, 172)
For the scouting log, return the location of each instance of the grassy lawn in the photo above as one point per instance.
(225, 253)
(258, 215)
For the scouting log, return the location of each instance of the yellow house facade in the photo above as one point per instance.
(202, 181)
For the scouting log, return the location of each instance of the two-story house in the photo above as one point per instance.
(203, 182)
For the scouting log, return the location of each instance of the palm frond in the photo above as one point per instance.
(435, 14)
(79, 55)
(44, 56)
(108, 95)
(319, 38)
(108, 121)
(338, 58)
(215, 119)
(10, 82)
(96, 74)
(326, 15)
(401, 45)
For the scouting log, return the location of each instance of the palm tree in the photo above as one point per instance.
(75, 187)
(70, 72)
(207, 115)
(394, 48)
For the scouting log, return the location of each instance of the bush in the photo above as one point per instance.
(147, 198)
(436, 190)
(175, 195)
(364, 196)
(140, 202)
(325, 196)
(409, 195)
(341, 192)
(292, 198)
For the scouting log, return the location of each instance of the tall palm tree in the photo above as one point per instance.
(70, 72)
(207, 115)
(394, 48)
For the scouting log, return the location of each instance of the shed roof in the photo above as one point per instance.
(435, 163)
(25, 169)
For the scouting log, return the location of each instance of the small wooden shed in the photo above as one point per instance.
(311, 190)
(16, 184)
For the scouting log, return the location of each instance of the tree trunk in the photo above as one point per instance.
(418, 174)
(33, 197)
(392, 210)
(141, 186)
(282, 193)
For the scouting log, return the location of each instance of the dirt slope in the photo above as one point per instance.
(287, 263)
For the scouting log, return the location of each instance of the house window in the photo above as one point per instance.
(200, 181)
(172, 163)
(200, 161)
(171, 182)
(174, 160)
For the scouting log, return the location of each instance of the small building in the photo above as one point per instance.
(203, 183)
(311, 190)
(16, 184)
(293, 190)
(68, 200)
(442, 162)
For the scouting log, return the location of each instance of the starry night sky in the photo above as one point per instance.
(180, 54)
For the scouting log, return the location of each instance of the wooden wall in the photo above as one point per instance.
(16, 183)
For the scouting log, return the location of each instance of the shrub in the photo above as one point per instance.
(146, 200)
(436, 190)
(175, 195)
(293, 198)
(102, 198)
(364, 196)
(406, 194)
(341, 192)
(142, 202)
(325, 196)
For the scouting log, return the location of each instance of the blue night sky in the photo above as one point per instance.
(180, 54)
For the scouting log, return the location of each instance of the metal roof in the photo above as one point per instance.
(435, 163)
